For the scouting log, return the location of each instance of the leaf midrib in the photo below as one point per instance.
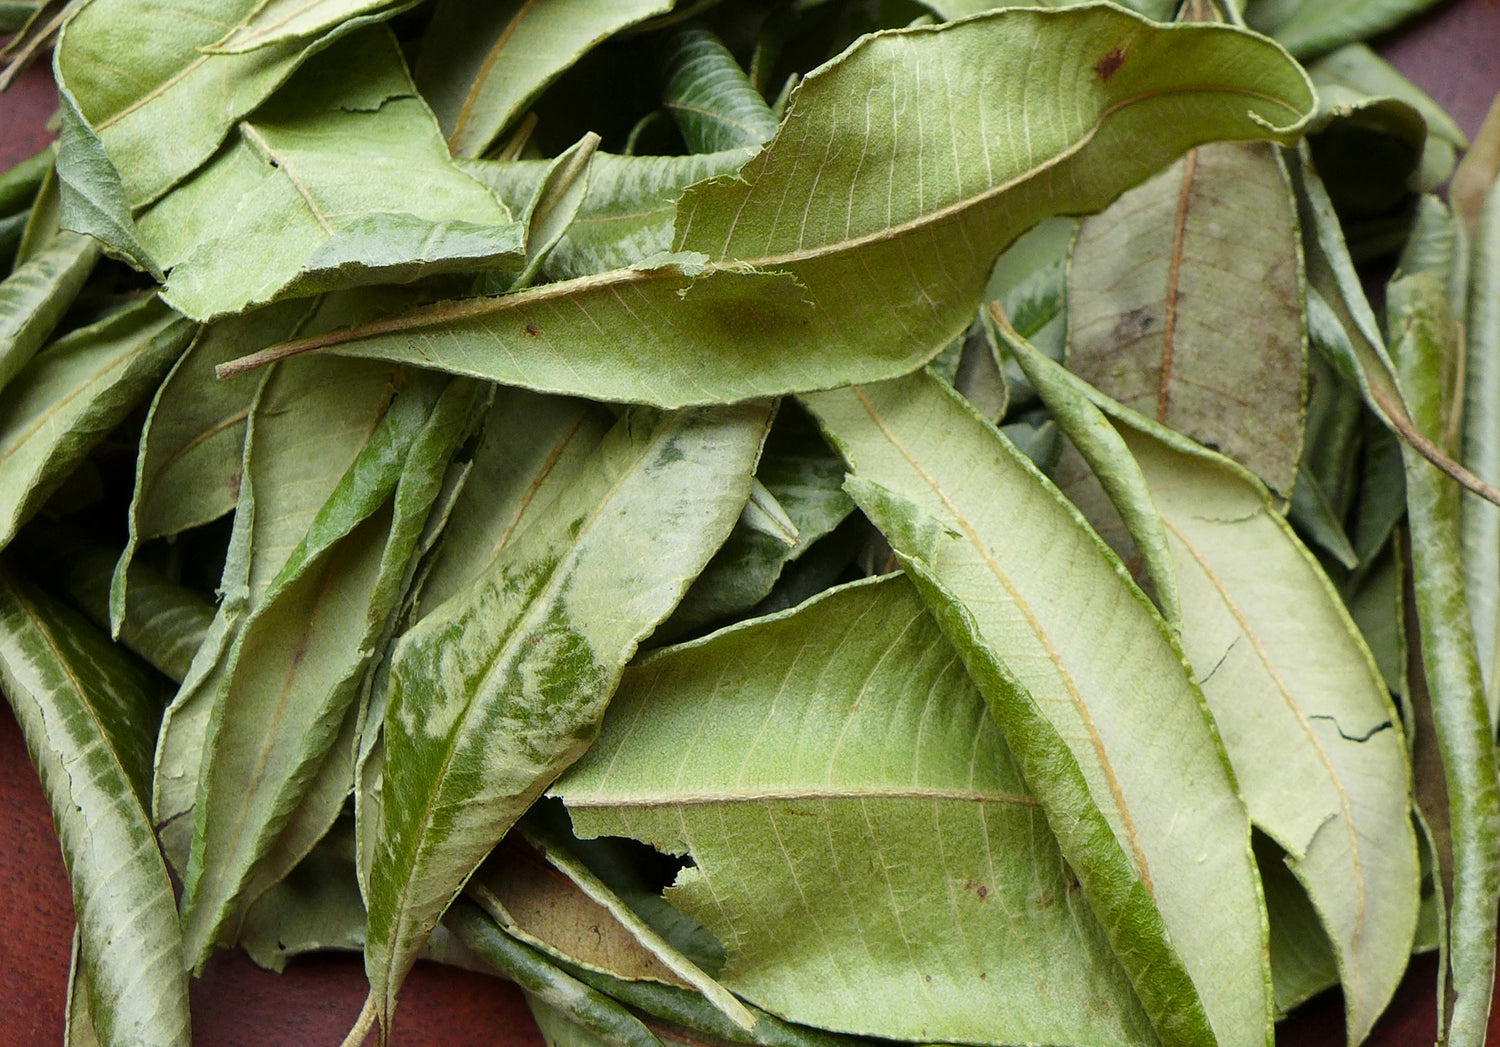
(823, 791)
(1355, 971)
(1053, 655)
(539, 604)
(448, 313)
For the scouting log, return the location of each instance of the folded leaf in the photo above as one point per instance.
(858, 244)
(296, 670)
(714, 103)
(179, 100)
(531, 653)
(1092, 694)
(70, 396)
(862, 841)
(627, 212)
(1423, 340)
(274, 22)
(302, 224)
(88, 712)
(481, 65)
(34, 298)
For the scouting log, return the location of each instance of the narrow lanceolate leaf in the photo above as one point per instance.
(88, 713)
(34, 298)
(1315, 743)
(70, 396)
(681, 969)
(187, 471)
(480, 67)
(308, 425)
(805, 477)
(301, 225)
(1422, 343)
(300, 663)
(627, 213)
(862, 841)
(1112, 464)
(605, 1019)
(1185, 303)
(1481, 443)
(1311, 27)
(531, 653)
(554, 205)
(864, 233)
(166, 622)
(1095, 714)
(531, 445)
(714, 103)
(275, 22)
(157, 126)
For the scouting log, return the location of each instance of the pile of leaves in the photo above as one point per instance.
(642, 542)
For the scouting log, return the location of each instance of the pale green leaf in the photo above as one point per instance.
(715, 105)
(339, 181)
(481, 64)
(1302, 960)
(862, 841)
(532, 651)
(187, 470)
(34, 298)
(1310, 27)
(70, 396)
(284, 485)
(531, 444)
(274, 22)
(88, 711)
(1090, 690)
(77, 1020)
(299, 663)
(1113, 466)
(1423, 341)
(1305, 717)
(806, 479)
(1297, 698)
(1481, 440)
(157, 125)
(864, 233)
(1185, 303)
(554, 206)
(627, 212)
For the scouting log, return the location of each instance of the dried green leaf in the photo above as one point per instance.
(1093, 715)
(814, 246)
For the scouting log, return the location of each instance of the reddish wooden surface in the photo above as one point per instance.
(1454, 53)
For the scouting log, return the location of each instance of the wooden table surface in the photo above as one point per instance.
(1453, 53)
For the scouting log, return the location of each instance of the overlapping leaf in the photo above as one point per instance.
(153, 126)
(481, 66)
(87, 710)
(862, 841)
(67, 398)
(338, 181)
(864, 234)
(531, 653)
(1185, 303)
(1094, 716)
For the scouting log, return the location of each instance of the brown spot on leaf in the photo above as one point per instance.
(979, 890)
(531, 330)
(1109, 65)
(1044, 902)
